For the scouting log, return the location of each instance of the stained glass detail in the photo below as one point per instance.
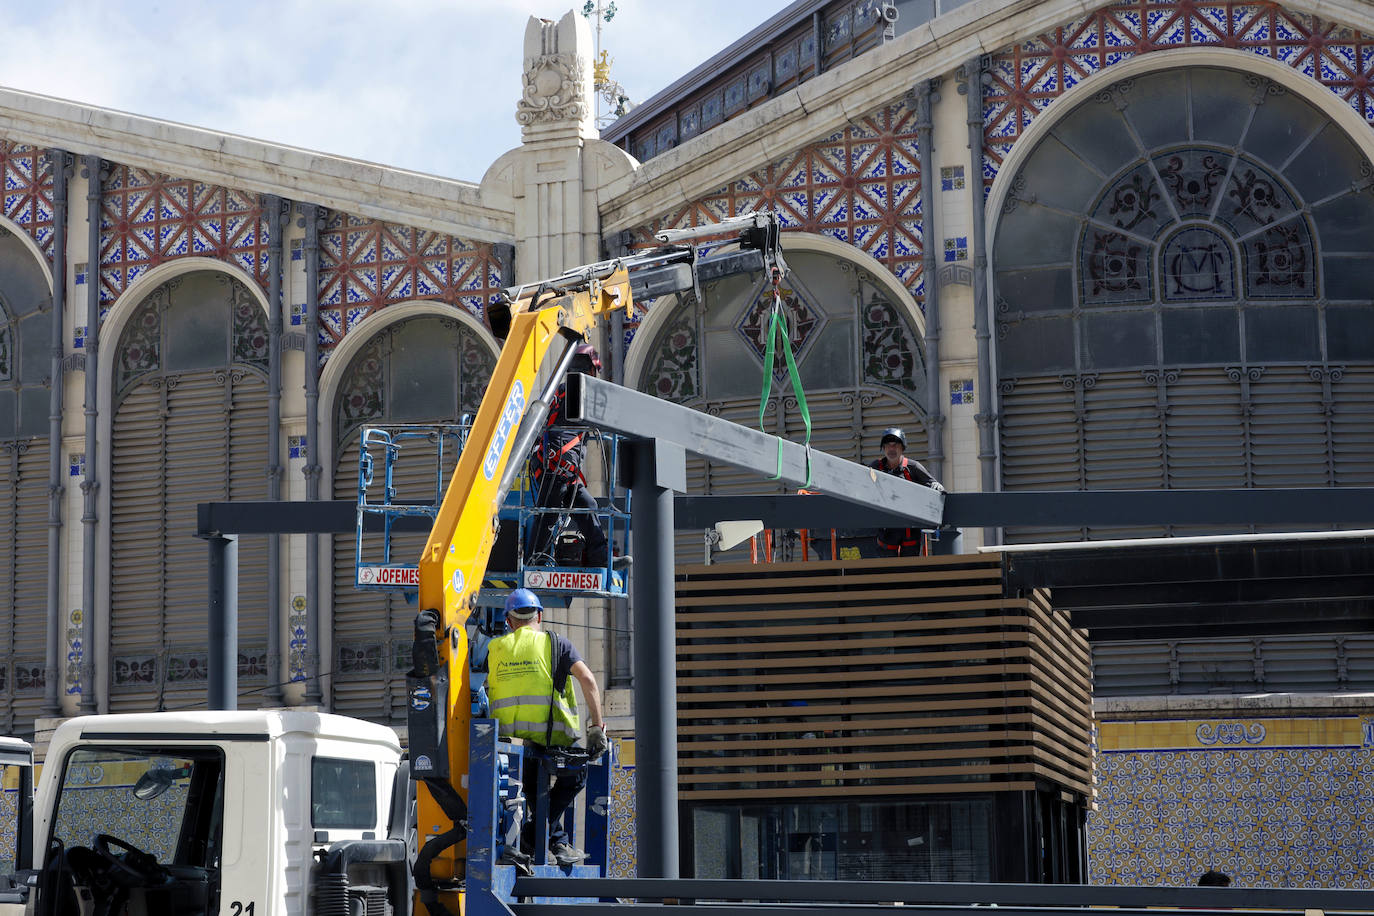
(1115, 267)
(140, 348)
(368, 264)
(673, 367)
(1027, 78)
(477, 365)
(6, 351)
(250, 330)
(1197, 263)
(1192, 178)
(361, 397)
(1279, 263)
(889, 347)
(147, 219)
(804, 322)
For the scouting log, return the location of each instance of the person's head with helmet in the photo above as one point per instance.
(523, 609)
(893, 444)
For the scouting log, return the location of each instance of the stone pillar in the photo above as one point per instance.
(551, 181)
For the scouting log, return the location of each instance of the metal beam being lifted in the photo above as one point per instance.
(632, 413)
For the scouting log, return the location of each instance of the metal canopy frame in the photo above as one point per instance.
(853, 493)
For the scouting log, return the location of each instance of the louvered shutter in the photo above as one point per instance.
(1352, 425)
(23, 582)
(137, 560)
(373, 629)
(1039, 445)
(179, 441)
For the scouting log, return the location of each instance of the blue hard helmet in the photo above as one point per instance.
(523, 604)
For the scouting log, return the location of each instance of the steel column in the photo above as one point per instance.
(62, 163)
(926, 97)
(94, 171)
(277, 211)
(657, 468)
(986, 417)
(223, 687)
(313, 218)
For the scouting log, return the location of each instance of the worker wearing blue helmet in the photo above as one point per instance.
(532, 698)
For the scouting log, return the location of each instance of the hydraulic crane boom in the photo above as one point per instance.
(540, 323)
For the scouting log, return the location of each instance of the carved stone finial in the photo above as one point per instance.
(557, 90)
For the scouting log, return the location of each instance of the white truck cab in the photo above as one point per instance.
(16, 811)
(241, 813)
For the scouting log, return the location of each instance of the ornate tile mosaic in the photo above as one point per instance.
(1027, 78)
(367, 264)
(1271, 802)
(147, 218)
(28, 178)
(622, 858)
(860, 185)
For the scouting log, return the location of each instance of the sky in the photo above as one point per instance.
(427, 85)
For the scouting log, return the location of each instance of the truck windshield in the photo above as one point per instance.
(164, 801)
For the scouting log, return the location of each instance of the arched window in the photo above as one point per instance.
(1183, 295)
(859, 358)
(25, 402)
(190, 426)
(423, 370)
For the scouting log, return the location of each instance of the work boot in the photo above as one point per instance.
(565, 854)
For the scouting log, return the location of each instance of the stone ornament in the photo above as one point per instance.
(557, 87)
(551, 90)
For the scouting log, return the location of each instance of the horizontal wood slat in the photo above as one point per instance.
(876, 677)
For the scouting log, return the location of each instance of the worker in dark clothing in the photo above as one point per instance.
(559, 483)
(901, 542)
(530, 677)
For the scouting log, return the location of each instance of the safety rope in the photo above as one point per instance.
(777, 325)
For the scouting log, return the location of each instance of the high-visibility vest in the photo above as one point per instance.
(520, 686)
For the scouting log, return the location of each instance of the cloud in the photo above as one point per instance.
(428, 85)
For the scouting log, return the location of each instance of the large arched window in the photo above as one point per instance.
(859, 358)
(190, 426)
(425, 369)
(1184, 295)
(25, 402)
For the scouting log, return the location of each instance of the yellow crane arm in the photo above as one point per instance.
(545, 325)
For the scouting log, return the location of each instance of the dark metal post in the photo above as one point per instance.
(62, 162)
(986, 417)
(94, 172)
(313, 219)
(224, 621)
(276, 211)
(658, 468)
(926, 97)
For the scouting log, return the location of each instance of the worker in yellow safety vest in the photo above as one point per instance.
(532, 698)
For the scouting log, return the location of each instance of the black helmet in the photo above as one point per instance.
(893, 434)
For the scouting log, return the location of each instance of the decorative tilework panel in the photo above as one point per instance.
(367, 264)
(9, 816)
(860, 185)
(1177, 798)
(621, 862)
(147, 218)
(28, 179)
(1028, 77)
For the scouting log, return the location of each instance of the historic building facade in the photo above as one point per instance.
(1064, 246)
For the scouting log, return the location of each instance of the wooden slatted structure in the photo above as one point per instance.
(882, 677)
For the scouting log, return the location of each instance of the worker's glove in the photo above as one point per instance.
(937, 486)
(596, 742)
